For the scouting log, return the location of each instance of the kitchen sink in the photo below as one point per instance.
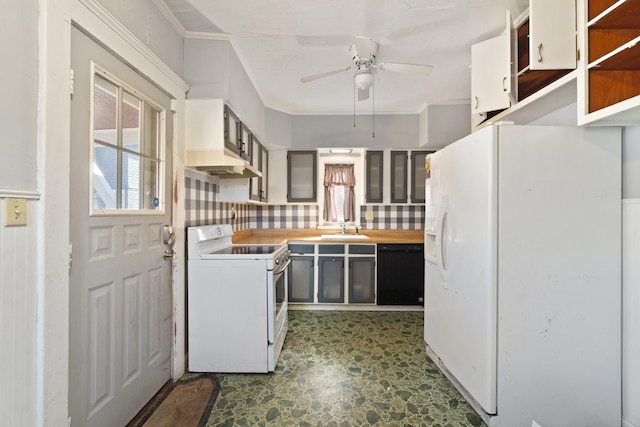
(339, 236)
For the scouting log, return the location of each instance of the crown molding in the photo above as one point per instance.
(175, 23)
(206, 36)
(131, 40)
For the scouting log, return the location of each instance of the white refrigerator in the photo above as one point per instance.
(522, 277)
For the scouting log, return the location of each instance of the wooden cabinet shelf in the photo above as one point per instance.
(605, 41)
(531, 81)
(613, 34)
(625, 58)
(619, 14)
(607, 87)
(596, 7)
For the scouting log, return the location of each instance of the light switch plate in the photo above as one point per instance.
(15, 211)
(368, 215)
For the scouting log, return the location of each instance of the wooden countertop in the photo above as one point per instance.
(312, 235)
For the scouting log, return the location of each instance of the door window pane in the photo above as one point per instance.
(151, 132)
(105, 177)
(128, 167)
(150, 197)
(130, 181)
(105, 107)
(131, 122)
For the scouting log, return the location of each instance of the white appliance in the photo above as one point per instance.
(522, 274)
(236, 303)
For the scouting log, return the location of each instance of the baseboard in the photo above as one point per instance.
(352, 307)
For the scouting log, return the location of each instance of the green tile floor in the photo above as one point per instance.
(346, 369)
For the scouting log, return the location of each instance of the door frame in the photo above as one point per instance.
(52, 212)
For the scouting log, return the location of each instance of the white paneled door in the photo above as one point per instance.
(120, 296)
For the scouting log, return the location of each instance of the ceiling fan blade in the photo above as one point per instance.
(406, 68)
(363, 94)
(365, 47)
(322, 75)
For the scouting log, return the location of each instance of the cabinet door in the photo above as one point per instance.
(493, 82)
(400, 274)
(398, 177)
(374, 179)
(264, 168)
(302, 176)
(244, 142)
(331, 279)
(231, 130)
(418, 175)
(301, 279)
(362, 280)
(256, 158)
(552, 34)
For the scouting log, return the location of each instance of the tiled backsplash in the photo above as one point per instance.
(393, 217)
(203, 208)
(285, 216)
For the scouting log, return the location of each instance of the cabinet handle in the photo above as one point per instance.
(504, 84)
(477, 102)
(540, 52)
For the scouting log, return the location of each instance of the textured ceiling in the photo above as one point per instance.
(281, 41)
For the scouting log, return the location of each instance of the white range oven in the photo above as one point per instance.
(236, 302)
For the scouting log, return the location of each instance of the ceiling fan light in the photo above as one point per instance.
(364, 80)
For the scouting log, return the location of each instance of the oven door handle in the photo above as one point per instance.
(281, 268)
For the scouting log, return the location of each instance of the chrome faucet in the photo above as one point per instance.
(344, 228)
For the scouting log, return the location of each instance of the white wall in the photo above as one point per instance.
(149, 25)
(213, 70)
(338, 131)
(244, 99)
(446, 124)
(206, 68)
(18, 109)
(279, 128)
(19, 178)
(631, 277)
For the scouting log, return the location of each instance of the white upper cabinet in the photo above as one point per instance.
(493, 72)
(534, 53)
(552, 34)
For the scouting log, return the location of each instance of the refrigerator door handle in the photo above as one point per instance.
(440, 236)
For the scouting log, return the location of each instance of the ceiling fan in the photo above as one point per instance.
(363, 52)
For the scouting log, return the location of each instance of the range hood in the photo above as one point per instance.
(221, 164)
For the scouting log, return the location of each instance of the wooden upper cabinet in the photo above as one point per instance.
(613, 61)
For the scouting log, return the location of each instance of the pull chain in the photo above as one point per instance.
(373, 111)
(354, 101)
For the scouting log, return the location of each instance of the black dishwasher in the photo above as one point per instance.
(400, 274)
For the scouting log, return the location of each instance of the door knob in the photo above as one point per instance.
(168, 235)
